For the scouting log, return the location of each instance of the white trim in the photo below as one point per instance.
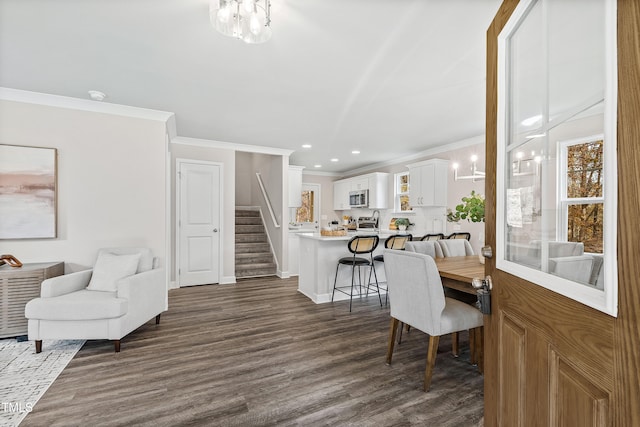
(611, 158)
(209, 143)
(227, 280)
(179, 162)
(58, 101)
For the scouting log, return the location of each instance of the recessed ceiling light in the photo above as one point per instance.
(334, 160)
(317, 166)
(96, 95)
(306, 145)
(355, 152)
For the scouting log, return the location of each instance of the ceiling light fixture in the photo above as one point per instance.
(475, 173)
(247, 20)
(355, 152)
(306, 145)
(317, 166)
(334, 160)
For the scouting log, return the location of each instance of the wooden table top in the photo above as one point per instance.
(461, 268)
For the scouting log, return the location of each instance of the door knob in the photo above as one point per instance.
(215, 230)
(487, 252)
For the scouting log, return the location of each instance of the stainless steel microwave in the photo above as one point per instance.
(359, 199)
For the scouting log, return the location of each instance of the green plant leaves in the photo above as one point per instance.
(471, 209)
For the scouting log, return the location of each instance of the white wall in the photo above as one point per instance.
(111, 179)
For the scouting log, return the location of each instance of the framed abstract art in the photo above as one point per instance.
(28, 192)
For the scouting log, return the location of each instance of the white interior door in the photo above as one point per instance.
(198, 223)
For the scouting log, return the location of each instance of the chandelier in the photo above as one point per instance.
(247, 20)
(476, 175)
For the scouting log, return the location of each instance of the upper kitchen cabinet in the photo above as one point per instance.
(341, 195)
(378, 190)
(428, 183)
(376, 183)
(295, 186)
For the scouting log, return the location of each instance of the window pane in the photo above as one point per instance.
(585, 224)
(305, 212)
(584, 170)
(404, 203)
(404, 183)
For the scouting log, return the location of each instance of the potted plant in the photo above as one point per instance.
(402, 223)
(471, 209)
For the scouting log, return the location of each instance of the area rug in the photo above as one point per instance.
(25, 375)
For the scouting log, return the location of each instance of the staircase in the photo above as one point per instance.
(253, 252)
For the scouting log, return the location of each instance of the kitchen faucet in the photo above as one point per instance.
(376, 216)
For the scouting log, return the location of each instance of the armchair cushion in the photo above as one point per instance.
(109, 268)
(79, 305)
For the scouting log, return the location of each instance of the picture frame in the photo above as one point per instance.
(28, 192)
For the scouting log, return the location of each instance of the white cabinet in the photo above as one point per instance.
(294, 249)
(358, 183)
(428, 181)
(378, 190)
(295, 186)
(341, 195)
(377, 183)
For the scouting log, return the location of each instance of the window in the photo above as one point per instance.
(401, 192)
(581, 193)
(304, 214)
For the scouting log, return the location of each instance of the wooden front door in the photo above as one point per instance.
(550, 360)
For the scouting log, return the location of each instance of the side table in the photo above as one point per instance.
(18, 286)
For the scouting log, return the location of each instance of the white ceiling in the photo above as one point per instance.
(390, 78)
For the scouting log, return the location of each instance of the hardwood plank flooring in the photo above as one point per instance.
(259, 353)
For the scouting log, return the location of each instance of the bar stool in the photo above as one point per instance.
(358, 245)
(431, 237)
(460, 235)
(397, 242)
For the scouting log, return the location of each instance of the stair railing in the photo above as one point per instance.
(267, 200)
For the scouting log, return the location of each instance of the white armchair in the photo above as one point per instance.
(124, 290)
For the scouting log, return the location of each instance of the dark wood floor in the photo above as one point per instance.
(260, 354)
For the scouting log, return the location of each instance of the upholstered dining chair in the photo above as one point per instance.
(358, 246)
(431, 248)
(417, 299)
(455, 247)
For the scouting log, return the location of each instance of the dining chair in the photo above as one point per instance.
(417, 299)
(431, 248)
(397, 242)
(460, 235)
(431, 237)
(455, 247)
(358, 245)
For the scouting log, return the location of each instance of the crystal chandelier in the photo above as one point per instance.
(247, 20)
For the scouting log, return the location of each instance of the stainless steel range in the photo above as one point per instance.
(369, 222)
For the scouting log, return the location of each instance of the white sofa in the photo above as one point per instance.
(124, 290)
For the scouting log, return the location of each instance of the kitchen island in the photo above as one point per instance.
(318, 259)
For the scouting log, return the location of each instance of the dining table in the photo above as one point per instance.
(459, 271)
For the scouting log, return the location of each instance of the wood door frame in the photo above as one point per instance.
(625, 341)
(179, 162)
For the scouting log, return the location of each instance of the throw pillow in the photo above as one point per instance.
(110, 268)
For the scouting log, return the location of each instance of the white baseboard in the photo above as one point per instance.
(228, 280)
